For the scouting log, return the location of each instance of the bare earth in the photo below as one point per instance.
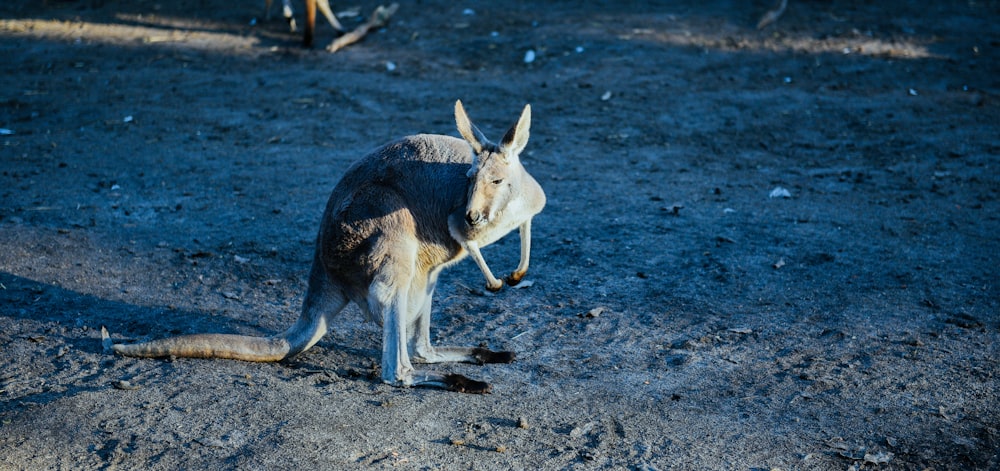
(165, 165)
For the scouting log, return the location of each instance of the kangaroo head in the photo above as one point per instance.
(496, 172)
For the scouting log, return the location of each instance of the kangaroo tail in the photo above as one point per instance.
(234, 347)
(299, 337)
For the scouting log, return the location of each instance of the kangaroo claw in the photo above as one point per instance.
(489, 356)
(462, 384)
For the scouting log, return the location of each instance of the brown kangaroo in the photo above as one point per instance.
(324, 6)
(395, 220)
(288, 13)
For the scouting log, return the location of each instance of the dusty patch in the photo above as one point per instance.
(164, 166)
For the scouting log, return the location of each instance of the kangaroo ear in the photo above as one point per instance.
(517, 136)
(469, 131)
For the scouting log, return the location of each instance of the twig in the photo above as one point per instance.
(772, 15)
(379, 18)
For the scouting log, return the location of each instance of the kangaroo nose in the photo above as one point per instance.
(473, 217)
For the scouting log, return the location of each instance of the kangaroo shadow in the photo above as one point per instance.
(70, 315)
(50, 343)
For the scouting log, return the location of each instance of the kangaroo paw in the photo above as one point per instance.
(514, 278)
(489, 356)
(462, 384)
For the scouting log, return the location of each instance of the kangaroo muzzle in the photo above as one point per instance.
(474, 218)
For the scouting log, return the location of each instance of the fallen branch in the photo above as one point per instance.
(772, 15)
(378, 18)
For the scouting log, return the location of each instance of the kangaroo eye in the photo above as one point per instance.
(498, 181)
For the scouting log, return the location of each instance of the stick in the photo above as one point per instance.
(379, 18)
(772, 15)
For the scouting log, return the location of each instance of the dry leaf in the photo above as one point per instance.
(878, 458)
(595, 312)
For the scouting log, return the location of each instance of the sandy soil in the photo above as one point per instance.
(165, 165)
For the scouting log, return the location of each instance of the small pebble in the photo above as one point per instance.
(124, 385)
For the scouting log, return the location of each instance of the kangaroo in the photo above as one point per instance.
(307, 36)
(396, 219)
(324, 6)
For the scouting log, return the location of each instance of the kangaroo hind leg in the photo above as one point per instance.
(425, 352)
(390, 300)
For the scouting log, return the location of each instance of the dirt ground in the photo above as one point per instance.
(165, 165)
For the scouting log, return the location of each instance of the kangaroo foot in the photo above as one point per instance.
(462, 384)
(483, 355)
